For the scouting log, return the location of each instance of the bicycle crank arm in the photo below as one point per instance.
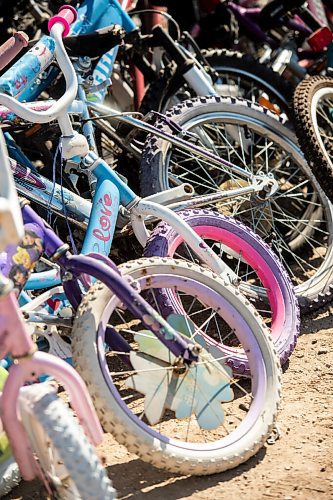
(207, 199)
(48, 319)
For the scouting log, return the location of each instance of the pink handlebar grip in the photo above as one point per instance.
(66, 16)
(12, 47)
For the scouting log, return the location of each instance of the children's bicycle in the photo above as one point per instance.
(237, 156)
(196, 341)
(252, 266)
(175, 342)
(46, 441)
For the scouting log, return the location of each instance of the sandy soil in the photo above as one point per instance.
(299, 465)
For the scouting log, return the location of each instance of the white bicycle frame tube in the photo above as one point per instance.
(197, 77)
(11, 223)
(198, 82)
(145, 208)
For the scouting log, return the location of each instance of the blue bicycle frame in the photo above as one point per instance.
(95, 14)
(110, 190)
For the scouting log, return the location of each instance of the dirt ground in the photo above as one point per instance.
(299, 465)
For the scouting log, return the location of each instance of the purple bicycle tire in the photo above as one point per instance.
(162, 243)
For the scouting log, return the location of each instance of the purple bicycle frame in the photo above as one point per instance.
(74, 267)
(248, 19)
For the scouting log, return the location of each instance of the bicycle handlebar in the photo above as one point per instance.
(11, 224)
(12, 47)
(66, 16)
(59, 25)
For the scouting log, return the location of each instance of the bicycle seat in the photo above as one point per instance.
(96, 43)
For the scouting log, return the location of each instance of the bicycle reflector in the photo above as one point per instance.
(320, 39)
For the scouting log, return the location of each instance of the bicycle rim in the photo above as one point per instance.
(296, 221)
(185, 438)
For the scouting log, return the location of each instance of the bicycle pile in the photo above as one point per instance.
(180, 349)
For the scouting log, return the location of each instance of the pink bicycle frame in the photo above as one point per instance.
(28, 365)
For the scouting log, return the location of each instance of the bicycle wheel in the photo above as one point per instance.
(161, 417)
(9, 472)
(240, 75)
(296, 220)
(68, 462)
(9, 476)
(313, 102)
(259, 273)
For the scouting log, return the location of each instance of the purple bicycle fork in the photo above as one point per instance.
(75, 267)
